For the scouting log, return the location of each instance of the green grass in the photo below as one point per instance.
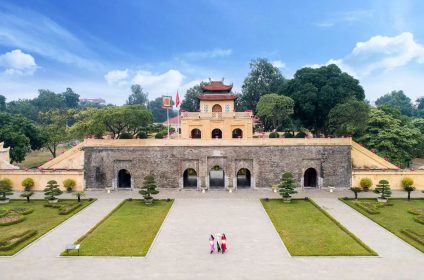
(42, 220)
(128, 230)
(307, 230)
(396, 218)
(40, 157)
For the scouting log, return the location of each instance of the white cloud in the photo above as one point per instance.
(278, 63)
(208, 54)
(347, 17)
(159, 84)
(17, 62)
(117, 77)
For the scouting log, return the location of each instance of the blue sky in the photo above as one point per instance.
(99, 48)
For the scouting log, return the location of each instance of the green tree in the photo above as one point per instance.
(27, 195)
(23, 107)
(390, 138)
(148, 189)
(87, 124)
(28, 183)
(158, 113)
(383, 188)
(317, 91)
(52, 190)
(262, 79)
(69, 184)
(287, 185)
(397, 99)
(420, 107)
(79, 195)
(20, 134)
(2, 103)
(350, 117)
(137, 97)
(48, 100)
(408, 186)
(275, 109)
(54, 127)
(356, 190)
(191, 102)
(71, 98)
(5, 189)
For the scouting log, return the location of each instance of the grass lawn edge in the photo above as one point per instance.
(402, 237)
(65, 254)
(371, 252)
(35, 238)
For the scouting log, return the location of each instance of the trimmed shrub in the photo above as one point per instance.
(28, 183)
(160, 135)
(408, 186)
(142, 135)
(366, 184)
(148, 189)
(274, 135)
(288, 135)
(368, 207)
(12, 241)
(68, 208)
(27, 195)
(419, 219)
(300, 134)
(69, 184)
(416, 211)
(11, 218)
(356, 190)
(287, 185)
(5, 189)
(52, 190)
(383, 188)
(21, 210)
(125, 135)
(3, 212)
(413, 235)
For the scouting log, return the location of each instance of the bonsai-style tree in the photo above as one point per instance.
(287, 186)
(383, 188)
(69, 184)
(148, 189)
(408, 186)
(78, 195)
(366, 184)
(356, 190)
(52, 190)
(27, 195)
(5, 189)
(28, 183)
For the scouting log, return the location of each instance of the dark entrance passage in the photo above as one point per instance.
(243, 178)
(310, 178)
(196, 134)
(237, 133)
(124, 179)
(216, 177)
(190, 178)
(216, 133)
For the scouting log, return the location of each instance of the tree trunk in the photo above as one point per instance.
(27, 199)
(356, 195)
(79, 198)
(409, 195)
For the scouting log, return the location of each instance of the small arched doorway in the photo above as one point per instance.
(190, 178)
(310, 178)
(216, 133)
(196, 133)
(244, 178)
(216, 108)
(216, 177)
(124, 179)
(237, 133)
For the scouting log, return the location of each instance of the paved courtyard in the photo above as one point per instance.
(180, 250)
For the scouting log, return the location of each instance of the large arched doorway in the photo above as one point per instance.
(216, 177)
(216, 108)
(190, 178)
(237, 133)
(310, 178)
(124, 179)
(244, 178)
(216, 133)
(196, 133)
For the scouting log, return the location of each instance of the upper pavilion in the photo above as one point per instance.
(217, 117)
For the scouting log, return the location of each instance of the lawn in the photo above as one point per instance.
(42, 219)
(307, 230)
(128, 230)
(37, 158)
(396, 218)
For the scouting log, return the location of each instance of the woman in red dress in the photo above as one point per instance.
(223, 243)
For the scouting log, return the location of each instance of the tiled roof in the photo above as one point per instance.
(174, 120)
(217, 86)
(217, 97)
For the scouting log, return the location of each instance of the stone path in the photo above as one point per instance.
(180, 250)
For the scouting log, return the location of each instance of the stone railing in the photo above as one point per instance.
(216, 115)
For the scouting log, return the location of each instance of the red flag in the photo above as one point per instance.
(177, 100)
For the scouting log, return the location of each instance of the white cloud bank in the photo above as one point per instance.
(278, 63)
(17, 62)
(116, 77)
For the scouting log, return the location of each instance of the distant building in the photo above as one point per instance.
(174, 122)
(98, 101)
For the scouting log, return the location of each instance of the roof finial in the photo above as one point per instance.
(222, 79)
(210, 80)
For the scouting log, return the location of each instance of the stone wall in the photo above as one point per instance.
(392, 176)
(265, 162)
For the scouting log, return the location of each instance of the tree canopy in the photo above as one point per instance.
(138, 96)
(350, 117)
(159, 113)
(316, 91)
(274, 110)
(397, 99)
(191, 102)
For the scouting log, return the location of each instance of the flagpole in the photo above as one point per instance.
(167, 117)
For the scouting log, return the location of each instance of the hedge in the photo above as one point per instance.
(6, 245)
(19, 219)
(413, 235)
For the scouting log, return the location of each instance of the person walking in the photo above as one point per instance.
(212, 243)
(223, 243)
(218, 245)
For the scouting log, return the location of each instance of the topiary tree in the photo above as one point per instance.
(383, 188)
(366, 184)
(28, 183)
(5, 189)
(52, 190)
(69, 184)
(27, 195)
(148, 189)
(274, 135)
(356, 190)
(287, 186)
(79, 195)
(408, 186)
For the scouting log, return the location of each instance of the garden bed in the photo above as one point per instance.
(38, 221)
(307, 230)
(128, 230)
(401, 218)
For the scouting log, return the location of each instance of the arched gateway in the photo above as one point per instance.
(216, 177)
(124, 179)
(190, 178)
(310, 178)
(244, 178)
